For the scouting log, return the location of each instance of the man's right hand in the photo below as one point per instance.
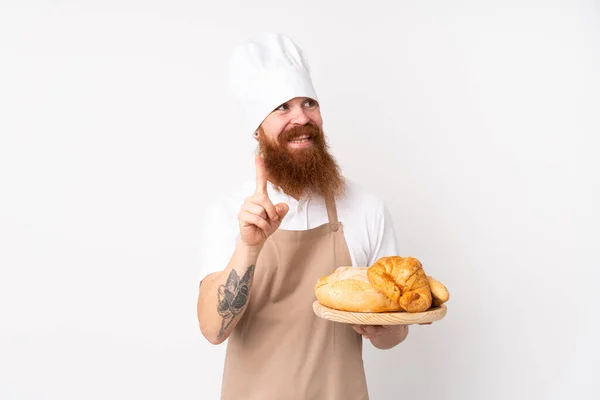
(258, 217)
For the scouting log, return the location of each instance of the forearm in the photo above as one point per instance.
(390, 339)
(223, 296)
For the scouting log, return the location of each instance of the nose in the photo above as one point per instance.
(299, 117)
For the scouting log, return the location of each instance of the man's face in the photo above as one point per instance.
(299, 111)
(295, 151)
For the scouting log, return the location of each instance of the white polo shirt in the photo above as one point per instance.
(367, 224)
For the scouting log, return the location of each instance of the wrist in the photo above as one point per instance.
(251, 251)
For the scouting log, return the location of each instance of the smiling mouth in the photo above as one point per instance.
(300, 140)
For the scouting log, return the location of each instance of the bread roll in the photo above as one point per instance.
(348, 289)
(439, 292)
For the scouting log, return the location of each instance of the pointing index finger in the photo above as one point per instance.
(261, 175)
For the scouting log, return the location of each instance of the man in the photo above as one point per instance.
(265, 247)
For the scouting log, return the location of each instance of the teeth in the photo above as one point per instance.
(300, 139)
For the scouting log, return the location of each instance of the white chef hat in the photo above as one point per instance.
(265, 73)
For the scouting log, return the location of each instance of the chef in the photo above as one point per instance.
(265, 246)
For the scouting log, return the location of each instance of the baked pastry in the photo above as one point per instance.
(391, 284)
(348, 289)
(403, 281)
(439, 292)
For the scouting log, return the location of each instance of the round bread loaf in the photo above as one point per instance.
(348, 289)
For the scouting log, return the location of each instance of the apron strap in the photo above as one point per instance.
(332, 214)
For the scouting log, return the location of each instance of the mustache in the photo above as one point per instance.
(310, 129)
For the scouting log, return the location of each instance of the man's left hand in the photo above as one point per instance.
(384, 336)
(375, 331)
(370, 331)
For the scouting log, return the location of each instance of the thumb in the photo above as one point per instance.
(282, 209)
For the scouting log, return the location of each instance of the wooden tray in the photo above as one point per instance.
(383, 318)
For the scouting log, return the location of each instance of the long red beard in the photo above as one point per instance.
(302, 172)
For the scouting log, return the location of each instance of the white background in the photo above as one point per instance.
(477, 122)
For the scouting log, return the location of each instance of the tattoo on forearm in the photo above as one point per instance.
(233, 297)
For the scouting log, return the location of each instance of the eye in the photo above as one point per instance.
(310, 103)
(282, 107)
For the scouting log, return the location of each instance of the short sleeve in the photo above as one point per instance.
(385, 243)
(218, 236)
